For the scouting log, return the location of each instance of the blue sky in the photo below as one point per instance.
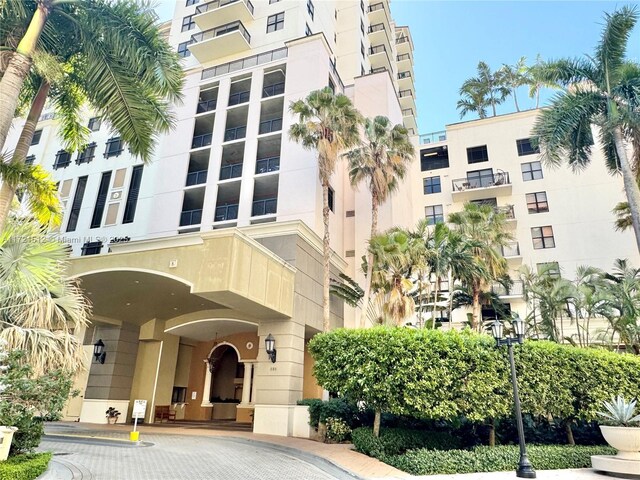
(450, 37)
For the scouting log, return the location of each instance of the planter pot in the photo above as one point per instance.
(6, 436)
(112, 420)
(624, 439)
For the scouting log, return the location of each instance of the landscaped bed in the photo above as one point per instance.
(24, 467)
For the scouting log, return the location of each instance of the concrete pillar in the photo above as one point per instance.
(246, 383)
(206, 392)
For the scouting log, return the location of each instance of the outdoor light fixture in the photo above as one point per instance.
(98, 351)
(270, 347)
(525, 469)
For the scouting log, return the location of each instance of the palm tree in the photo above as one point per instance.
(486, 228)
(514, 77)
(113, 57)
(381, 160)
(39, 308)
(328, 124)
(484, 90)
(603, 91)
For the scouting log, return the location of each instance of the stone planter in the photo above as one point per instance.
(6, 436)
(624, 439)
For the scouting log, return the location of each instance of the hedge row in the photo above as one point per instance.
(395, 441)
(24, 467)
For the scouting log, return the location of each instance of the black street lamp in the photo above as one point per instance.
(525, 469)
(98, 351)
(270, 347)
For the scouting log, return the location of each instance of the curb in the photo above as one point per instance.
(114, 442)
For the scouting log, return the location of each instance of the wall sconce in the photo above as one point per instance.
(270, 347)
(98, 351)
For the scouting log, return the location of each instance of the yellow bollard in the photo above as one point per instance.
(134, 436)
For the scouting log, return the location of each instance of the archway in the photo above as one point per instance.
(227, 376)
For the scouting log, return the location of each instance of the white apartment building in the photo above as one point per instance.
(556, 215)
(192, 261)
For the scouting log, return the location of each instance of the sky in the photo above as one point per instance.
(451, 37)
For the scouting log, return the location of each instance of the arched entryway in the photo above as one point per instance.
(227, 374)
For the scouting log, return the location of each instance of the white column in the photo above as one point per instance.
(246, 383)
(253, 389)
(207, 386)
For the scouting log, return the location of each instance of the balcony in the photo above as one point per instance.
(225, 213)
(270, 126)
(508, 212)
(212, 14)
(405, 62)
(230, 171)
(474, 187)
(201, 140)
(268, 206)
(378, 14)
(405, 80)
(516, 290)
(409, 119)
(407, 99)
(267, 165)
(403, 45)
(196, 178)
(206, 106)
(239, 98)
(511, 252)
(379, 58)
(273, 90)
(190, 217)
(434, 137)
(378, 35)
(236, 133)
(220, 42)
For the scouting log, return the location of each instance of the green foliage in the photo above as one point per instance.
(24, 467)
(339, 408)
(337, 430)
(492, 459)
(27, 401)
(396, 441)
(620, 412)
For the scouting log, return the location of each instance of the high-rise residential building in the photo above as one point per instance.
(196, 261)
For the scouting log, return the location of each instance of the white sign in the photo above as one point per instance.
(139, 408)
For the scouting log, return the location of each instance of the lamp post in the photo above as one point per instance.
(270, 347)
(98, 351)
(525, 469)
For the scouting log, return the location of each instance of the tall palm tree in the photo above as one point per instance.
(39, 308)
(381, 160)
(514, 77)
(327, 123)
(602, 91)
(538, 78)
(486, 228)
(114, 58)
(484, 90)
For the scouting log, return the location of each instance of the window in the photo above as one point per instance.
(307, 30)
(434, 158)
(179, 395)
(477, 154)
(132, 196)
(101, 200)
(273, 1)
(275, 22)
(332, 85)
(30, 160)
(191, 2)
(332, 199)
(310, 9)
(94, 124)
(543, 237)
(526, 148)
(91, 248)
(77, 203)
(551, 269)
(114, 147)
(531, 171)
(362, 50)
(434, 214)
(335, 14)
(537, 202)
(362, 5)
(362, 72)
(183, 51)
(63, 159)
(87, 154)
(36, 137)
(432, 185)
(480, 178)
(188, 23)
(362, 26)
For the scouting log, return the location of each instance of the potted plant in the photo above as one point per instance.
(621, 429)
(112, 415)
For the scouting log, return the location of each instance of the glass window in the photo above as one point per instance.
(94, 124)
(86, 155)
(114, 147)
(434, 158)
(275, 22)
(101, 200)
(526, 148)
(183, 51)
(477, 154)
(362, 26)
(36, 137)
(331, 199)
(434, 214)
(362, 50)
(537, 202)
(480, 178)
(531, 171)
(307, 30)
(362, 5)
(552, 269)
(132, 196)
(30, 160)
(432, 185)
(310, 9)
(77, 203)
(543, 237)
(91, 248)
(273, 1)
(191, 2)
(63, 159)
(188, 23)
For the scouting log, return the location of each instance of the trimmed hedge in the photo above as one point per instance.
(24, 467)
(395, 441)
(494, 459)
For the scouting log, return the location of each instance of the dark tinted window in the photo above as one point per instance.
(477, 154)
(526, 148)
(434, 158)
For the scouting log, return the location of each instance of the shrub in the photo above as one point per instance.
(337, 430)
(339, 408)
(395, 441)
(494, 459)
(25, 466)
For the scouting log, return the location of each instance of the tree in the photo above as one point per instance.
(485, 90)
(381, 160)
(514, 77)
(486, 228)
(328, 124)
(602, 91)
(39, 308)
(538, 78)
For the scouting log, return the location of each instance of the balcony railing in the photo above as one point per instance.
(406, 112)
(264, 207)
(221, 3)
(231, 171)
(405, 93)
(269, 126)
(222, 30)
(247, 62)
(379, 27)
(226, 212)
(404, 75)
(273, 90)
(508, 212)
(516, 289)
(377, 49)
(238, 98)
(433, 137)
(402, 39)
(202, 140)
(235, 133)
(379, 69)
(481, 181)
(266, 165)
(512, 250)
(206, 106)
(190, 217)
(404, 56)
(196, 178)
